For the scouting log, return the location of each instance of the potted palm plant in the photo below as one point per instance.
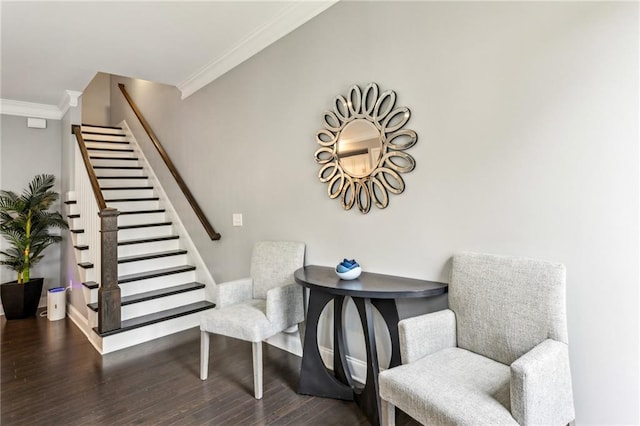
(25, 223)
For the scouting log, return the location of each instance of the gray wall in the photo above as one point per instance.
(96, 100)
(527, 116)
(24, 153)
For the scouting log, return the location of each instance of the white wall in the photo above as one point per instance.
(25, 153)
(527, 116)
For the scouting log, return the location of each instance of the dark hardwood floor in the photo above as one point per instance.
(51, 375)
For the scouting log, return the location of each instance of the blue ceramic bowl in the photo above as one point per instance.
(350, 274)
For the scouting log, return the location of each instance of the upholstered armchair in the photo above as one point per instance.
(256, 308)
(497, 356)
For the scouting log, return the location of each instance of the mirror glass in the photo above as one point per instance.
(359, 148)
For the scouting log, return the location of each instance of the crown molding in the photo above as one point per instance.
(69, 99)
(30, 109)
(290, 19)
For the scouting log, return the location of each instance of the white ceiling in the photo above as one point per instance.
(50, 47)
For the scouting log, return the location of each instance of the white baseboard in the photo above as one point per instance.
(290, 342)
(81, 322)
(357, 367)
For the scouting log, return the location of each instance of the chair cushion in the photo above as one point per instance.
(273, 264)
(244, 321)
(452, 386)
(506, 305)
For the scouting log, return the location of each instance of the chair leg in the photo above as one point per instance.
(388, 413)
(204, 355)
(257, 369)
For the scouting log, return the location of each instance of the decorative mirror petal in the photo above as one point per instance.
(362, 148)
(406, 139)
(325, 137)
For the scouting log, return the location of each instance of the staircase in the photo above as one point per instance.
(158, 280)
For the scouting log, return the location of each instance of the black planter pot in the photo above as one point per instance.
(21, 300)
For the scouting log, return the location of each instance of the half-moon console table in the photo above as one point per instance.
(368, 291)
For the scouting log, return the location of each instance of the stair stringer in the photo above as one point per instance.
(202, 272)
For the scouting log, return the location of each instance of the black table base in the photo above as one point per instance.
(370, 291)
(317, 380)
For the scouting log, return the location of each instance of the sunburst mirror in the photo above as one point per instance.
(362, 148)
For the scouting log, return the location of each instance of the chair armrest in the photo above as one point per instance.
(541, 390)
(426, 334)
(231, 292)
(285, 306)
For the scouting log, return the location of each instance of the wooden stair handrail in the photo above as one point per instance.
(183, 186)
(97, 192)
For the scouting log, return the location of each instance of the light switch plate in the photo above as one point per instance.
(237, 219)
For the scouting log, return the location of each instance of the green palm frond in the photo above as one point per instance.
(25, 223)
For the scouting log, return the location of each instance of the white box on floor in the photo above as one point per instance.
(56, 303)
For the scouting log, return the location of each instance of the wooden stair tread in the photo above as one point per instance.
(158, 317)
(70, 202)
(101, 126)
(123, 188)
(144, 225)
(149, 256)
(77, 231)
(102, 141)
(122, 177)
(155, 273)
(82, 247)
(90, 285)
(123, 200)
(73, 216)
(90, 148)
(155, 294)
(147, 240)
(142, 211)
(85, 265)
(89, 132)
(106, 157)
(118, 167)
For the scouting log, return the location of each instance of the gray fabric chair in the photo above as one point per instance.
(497, 356)
(256, 308)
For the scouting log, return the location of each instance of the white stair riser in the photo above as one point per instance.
(156, 305)
(142, 248)
(119, 172)
(142, 218)
(72, 209)
(110, 183)
(128, 193)
(111, 138)
(113, 162)
(90, 295)
(147, 232)
(131, 206)
(151, 264)
(157, 283)
(75, 223)
(134, 249)
(83, 256)
(78, 239)
(87, 275)
(100, 130)
(145, 334)
(122, 152)
(108, 145)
